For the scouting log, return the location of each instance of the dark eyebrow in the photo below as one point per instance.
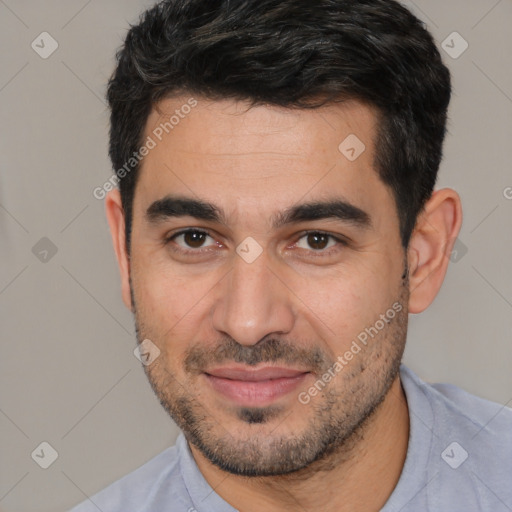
(337, 209)
(173, 206)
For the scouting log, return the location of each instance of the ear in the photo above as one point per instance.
(116, 221)
(431, 245)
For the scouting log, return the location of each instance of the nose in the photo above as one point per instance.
(253, 303)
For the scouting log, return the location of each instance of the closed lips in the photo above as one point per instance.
(260, 374)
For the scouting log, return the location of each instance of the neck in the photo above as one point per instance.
(359, 476)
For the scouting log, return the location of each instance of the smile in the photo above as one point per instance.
(254, 388)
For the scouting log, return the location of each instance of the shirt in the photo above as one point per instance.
(459, 459)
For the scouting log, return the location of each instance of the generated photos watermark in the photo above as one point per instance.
(151, 142)
(343, 360)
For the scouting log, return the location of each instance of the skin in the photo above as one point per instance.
(345, 449)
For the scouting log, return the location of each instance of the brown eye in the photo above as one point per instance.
(316, 241)
(194, 239)
(191, 239)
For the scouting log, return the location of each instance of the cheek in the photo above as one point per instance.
(346, 302)
(171, 304)
(165, 314)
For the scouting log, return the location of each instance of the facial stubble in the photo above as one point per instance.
(337, 417)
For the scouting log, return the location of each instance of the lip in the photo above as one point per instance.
(254, 387)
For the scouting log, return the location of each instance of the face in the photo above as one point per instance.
(266, 266)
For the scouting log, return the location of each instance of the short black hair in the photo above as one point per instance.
(294, 54)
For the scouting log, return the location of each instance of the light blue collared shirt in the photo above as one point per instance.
(459, 459)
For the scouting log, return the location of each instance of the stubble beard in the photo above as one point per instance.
(337, 418)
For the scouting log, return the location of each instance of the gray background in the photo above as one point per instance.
(68, 373)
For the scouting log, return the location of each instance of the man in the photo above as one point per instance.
(276, 223)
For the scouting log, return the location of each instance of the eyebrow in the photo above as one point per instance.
(337, 209)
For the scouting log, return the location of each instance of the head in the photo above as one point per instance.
(277, 161)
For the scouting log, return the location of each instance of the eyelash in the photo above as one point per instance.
(319, 253)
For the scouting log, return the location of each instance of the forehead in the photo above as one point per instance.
(260, 156)
(244, 126)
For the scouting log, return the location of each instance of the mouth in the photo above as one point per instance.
(252, 387)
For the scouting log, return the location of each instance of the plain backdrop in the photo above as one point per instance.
(68, 374)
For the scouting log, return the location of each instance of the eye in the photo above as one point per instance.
(190, 239)
(318, 241)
